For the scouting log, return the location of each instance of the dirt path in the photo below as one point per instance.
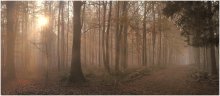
(171, 81)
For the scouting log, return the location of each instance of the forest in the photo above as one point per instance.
(109, 47)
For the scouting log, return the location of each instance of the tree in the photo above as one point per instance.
(117, 40)
(107, 37)
(144, 54)
(197, 23)
(211, 29)
(154, 31)
(62, 35)
(67, 35)
(125, 31)
(76, 74)
(58, 38)
(11, 34)
(160, 38)
(106, 65)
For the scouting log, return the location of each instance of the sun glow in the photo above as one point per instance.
(42, 21)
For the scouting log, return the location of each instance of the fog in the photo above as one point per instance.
(109, 47)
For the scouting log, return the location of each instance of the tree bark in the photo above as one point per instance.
(99, 34)
(154, 30)
(107, 38)
(11, 34)
(106, 65)
(213, 59)
(125, 29)
(76, 74)
(62, 36)
(58, 39)
(117, 40)
(67, 38)
(144, 38)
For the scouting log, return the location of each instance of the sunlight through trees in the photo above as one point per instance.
(111, 47)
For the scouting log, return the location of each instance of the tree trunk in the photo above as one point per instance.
(213, 59)
(107, 38)
(99, 34)
(125, 29)
(154, 31)
(117, 40)
(62, 36)
(11, 34)
(58, 39)
(144, 37)
(67, 38)
(160, 40)
(106, 65)
(76, 74)
(84, 28)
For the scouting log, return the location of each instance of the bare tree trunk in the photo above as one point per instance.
(11, 36)
(67, 38)
(160, 40)
(106, 65)
(198, 58)
(84, 27)
(117, 40)
(154, 31)
(62, 36)
(76, 74)
(107, 38)
(99, 34)
(58, 38)
(144, 38)
(125, 29)
(204, 58)
(132, 50)
(213, 59)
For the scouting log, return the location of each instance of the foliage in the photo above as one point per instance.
(196, 20)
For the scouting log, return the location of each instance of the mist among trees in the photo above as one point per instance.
(110, 47)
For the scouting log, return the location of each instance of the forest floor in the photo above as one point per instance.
(173, 80)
